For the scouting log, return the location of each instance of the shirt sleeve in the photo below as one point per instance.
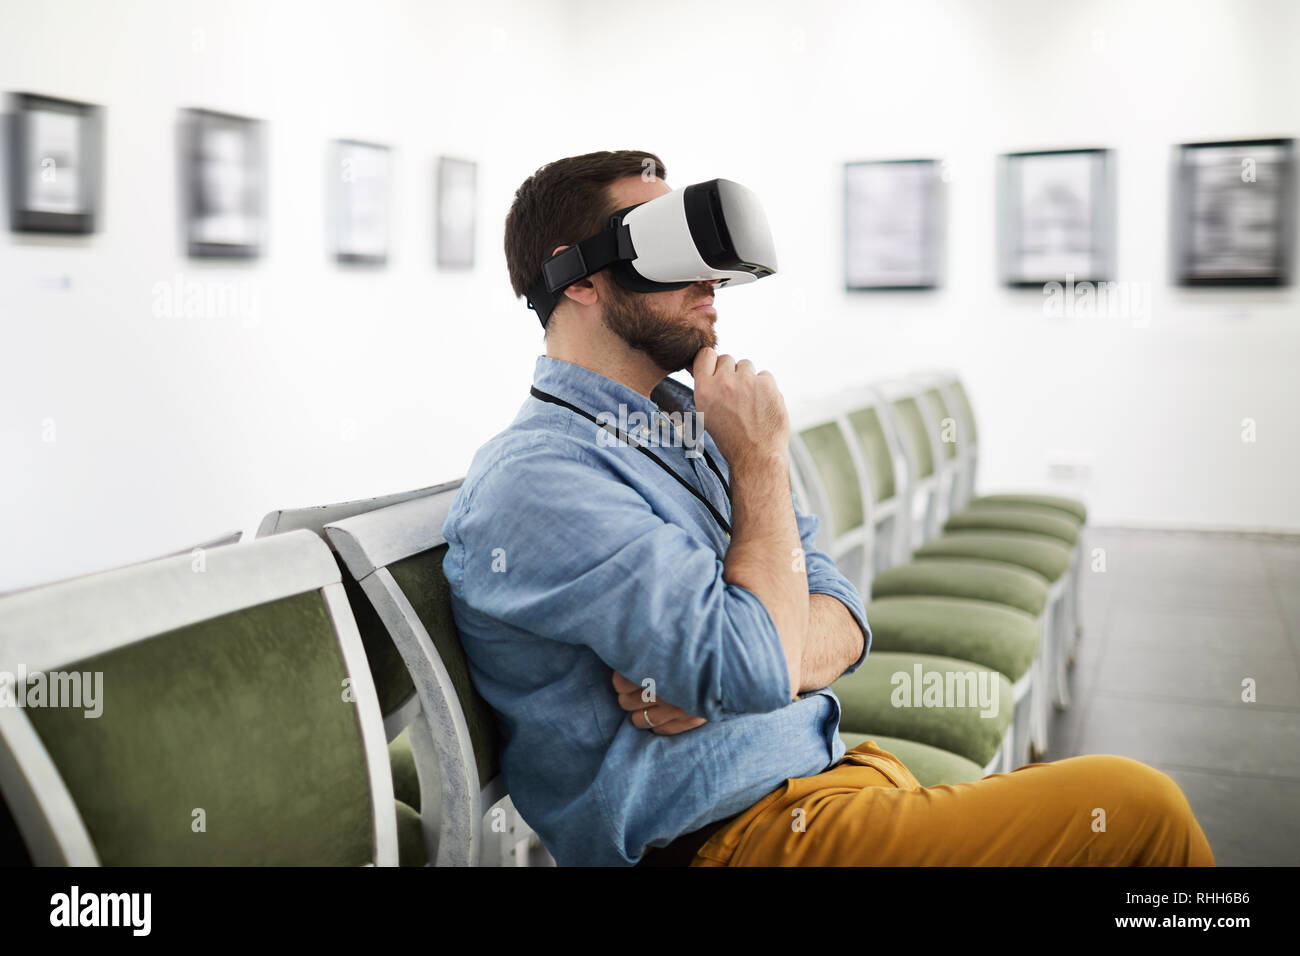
(825, 578)
(557, 545)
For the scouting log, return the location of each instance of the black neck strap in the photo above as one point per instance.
(717, 516)
(577, 262)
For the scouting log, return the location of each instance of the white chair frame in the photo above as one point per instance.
(462, 829)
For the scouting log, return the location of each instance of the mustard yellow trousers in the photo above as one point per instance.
(868, 810)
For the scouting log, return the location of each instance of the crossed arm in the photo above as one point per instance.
(834, 641)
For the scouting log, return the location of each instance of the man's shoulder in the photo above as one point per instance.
(536, 451)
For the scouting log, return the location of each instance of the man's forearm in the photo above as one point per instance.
(834, 642)
(762, 556)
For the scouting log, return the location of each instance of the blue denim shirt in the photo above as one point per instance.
(571, 556)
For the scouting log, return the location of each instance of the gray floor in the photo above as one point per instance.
(1172, 628)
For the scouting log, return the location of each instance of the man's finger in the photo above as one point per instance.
(706, 360)
(623, 685)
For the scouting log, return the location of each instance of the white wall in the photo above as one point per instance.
(345, 384)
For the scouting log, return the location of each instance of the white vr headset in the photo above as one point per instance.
(713, 231)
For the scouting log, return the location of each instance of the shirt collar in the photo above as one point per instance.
(596, 393)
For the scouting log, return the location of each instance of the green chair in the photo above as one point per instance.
(928, 440)
(965, 499)
(238, 723)
(830, 478)
(415, 770)
(948, 435)
(931, 766)
(960, 707)
(395, 556)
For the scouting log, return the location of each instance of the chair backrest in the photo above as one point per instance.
(959, 402)
(903, 411)
(871, 428)
(237, 722)
(316, 517)
(832, 475)
(397, 697)
(395, 554)
(944, 432)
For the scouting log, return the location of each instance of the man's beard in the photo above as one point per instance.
(669, 340)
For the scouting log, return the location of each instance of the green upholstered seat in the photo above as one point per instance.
(988, 518)
(1044, 555)
(244, 717)
(993, 635)
(931, 766)
(406, 779)
(830, 450)
(870, 433)
(410, 835)
(980, 505)
(978, 580)
(392, 680)
(1072, 506)
(912, 425)
(872, 700)
(423, 583)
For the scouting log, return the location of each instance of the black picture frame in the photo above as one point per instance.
(361, 202)
(47, 134)
(894, 219)
(1056, 217)
(1228, 230)
(223, 173)
(457, 212)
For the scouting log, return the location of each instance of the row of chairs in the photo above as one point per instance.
(303, 697)
(966, 588)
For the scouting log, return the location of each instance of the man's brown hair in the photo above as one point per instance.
(563, 203)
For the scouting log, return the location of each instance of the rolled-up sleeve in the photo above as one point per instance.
(554, 544)
(825, 578)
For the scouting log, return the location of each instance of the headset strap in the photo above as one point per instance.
(575, 263)
(717, 516)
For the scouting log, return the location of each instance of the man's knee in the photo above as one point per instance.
(1147, 802)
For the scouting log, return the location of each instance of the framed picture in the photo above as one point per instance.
(224, 175)
(55, 164)
(893, 224)
(1234, 213)
(457, 205)
(360, 208)
(1057, 217)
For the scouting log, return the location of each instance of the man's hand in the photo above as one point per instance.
(742, 410)
(665, 719)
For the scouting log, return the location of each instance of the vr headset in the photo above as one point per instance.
(706, 231)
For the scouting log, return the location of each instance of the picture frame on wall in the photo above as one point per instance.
(55, 164)
(1056, 217)
(223, 169)
(893, 224)
(360, 207)
(1234, 217)
(457, 212)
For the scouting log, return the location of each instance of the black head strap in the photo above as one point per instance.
(576, 263)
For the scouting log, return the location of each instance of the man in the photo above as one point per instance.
(593, 584)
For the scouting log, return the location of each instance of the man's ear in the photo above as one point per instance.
(583, 291)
